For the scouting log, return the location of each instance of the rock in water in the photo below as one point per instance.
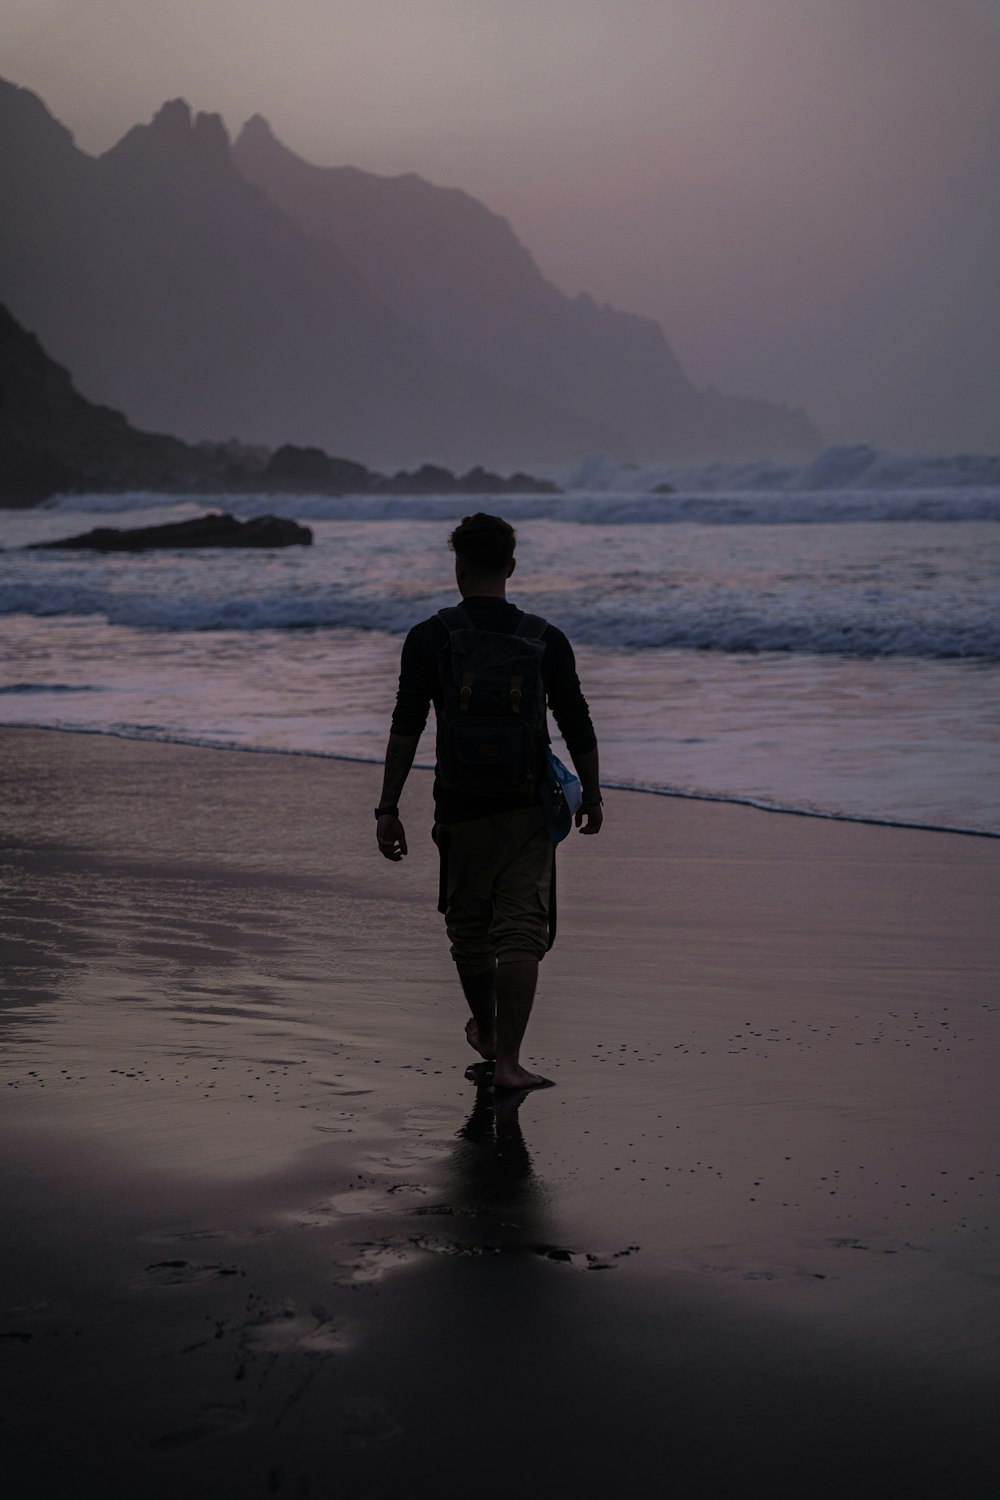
(215, 530)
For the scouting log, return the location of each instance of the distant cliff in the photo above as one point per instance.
(445, 263)
(216, 291)
(54, 441)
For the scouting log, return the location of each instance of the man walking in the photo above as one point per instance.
(497, 861)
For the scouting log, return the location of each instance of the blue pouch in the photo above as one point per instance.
(561, 796)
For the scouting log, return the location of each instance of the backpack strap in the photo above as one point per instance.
(454, 618)
(531, 626)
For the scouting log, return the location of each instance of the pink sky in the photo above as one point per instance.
(803, 192)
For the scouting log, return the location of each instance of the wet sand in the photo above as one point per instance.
(262, 1237)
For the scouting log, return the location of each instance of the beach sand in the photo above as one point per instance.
(262, 1237)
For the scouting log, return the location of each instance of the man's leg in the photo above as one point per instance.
(468, 909)
(480, 991)
(516, 981)
(519, 929)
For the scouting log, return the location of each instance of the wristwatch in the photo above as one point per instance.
(387, 812)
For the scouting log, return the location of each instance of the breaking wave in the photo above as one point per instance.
(843, 467)
(841, 485)
(616, 622)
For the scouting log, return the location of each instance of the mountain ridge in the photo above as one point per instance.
(182, 292)
(448, 264)
(179, 294)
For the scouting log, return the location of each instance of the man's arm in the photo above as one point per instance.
(399, 753)
(590, 814)
(573, 717)
(413, 698)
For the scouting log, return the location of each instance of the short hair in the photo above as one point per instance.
(484, 543)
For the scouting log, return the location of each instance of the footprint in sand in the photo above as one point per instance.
(410, 1156)
(378, 1260)
(366, 1424)
(208, 1423)
(355, 1203)
(578, 1260)
(430, 1118)
(181, 1273)
(312, 1332)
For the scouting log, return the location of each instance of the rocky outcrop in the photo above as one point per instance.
(294, 470)
(204, 531)
(310, 471)
(429, 479)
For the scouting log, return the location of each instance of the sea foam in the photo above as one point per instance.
(725, 508)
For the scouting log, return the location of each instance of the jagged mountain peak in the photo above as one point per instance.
(258, 142)
(172, 120)
(258, 131)
(25, 114)
(175, 134)
(176, 121)
(210, 129)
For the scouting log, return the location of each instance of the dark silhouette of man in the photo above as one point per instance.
(497, 865)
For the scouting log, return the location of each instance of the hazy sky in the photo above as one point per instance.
(804, 192)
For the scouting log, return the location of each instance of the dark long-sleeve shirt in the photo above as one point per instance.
(420, 686)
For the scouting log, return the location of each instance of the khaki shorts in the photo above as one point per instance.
(498, 877)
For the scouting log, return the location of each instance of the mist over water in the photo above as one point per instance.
(801, 194)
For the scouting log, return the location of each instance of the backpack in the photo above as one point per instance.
(491, 727)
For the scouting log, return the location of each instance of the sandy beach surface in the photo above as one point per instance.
(262, 1237)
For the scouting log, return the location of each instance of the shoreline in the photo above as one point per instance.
(264, 1238)
(729, 799)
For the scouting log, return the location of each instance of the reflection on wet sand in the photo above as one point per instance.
(261, 1238)
(490, 1171)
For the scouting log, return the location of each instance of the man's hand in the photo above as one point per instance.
(589, 817)
(390, 836)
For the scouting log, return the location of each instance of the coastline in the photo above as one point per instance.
(646, 789)
(257, 1202)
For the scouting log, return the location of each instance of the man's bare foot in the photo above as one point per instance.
(517, 1077)
(472, 1037)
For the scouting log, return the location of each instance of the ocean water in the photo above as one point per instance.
(823, 640)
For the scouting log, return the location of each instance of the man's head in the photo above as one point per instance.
(484, 553)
